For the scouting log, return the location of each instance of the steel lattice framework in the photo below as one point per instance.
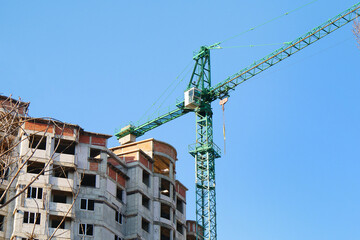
(205, 150)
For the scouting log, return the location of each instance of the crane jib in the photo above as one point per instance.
(221, 90)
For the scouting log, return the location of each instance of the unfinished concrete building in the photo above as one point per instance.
(67, 184)
(156, 200)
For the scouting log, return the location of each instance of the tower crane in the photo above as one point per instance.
(198, 97)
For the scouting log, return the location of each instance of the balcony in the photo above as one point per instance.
(33, 203)
(61, 233)
(29, 228)
(62, 182)
(64, 158)
(60, 209)
(26, 178)
(39, 153)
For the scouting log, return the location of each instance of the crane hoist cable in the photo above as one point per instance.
(222, 103)
(166, 90)
(171, 92)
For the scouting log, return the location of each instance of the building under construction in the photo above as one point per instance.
(59, 181)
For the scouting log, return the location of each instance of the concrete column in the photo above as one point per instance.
(171, 170)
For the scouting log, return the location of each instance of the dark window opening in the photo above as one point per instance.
(61, 172)
(91, 205)
(4, 198)
(145, 225)
(33, 192)
(26, 217)
(165, 211)
(174, 216)
(82, 229)
(180, 205)
(118, 217)
(30, 217)
(117, 237)
(4, 172)
(61, 196)
(55, 223)
(119, 194)
(86, 229)
(87, 204)
(64, 146)
(37, 142)
(83, 204)
(146, 178)
(165, 233)
(165, 187)
(145, 201)
(35, 167)
(95, 153)
(88, 180)
(2, 218)
(90, 229)
(179, 228)
(37, 216)
(59, 221)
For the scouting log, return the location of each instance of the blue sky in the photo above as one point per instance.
(291, 168)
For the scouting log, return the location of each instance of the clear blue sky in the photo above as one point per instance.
(291, 170)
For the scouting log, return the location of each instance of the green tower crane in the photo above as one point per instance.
(198, 98)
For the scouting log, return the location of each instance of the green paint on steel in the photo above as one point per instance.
(222, 89)
(143, 128)
(205, 150)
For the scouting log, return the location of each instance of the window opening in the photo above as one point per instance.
(146, 178)
(165, 187)
(119, 194)
(64, 146)
(2, 220)
(95, 153)
(30, 217)
(165, 211)
(165, 233)
(35, 167)
(34, 140)
(88, 180)
(145, 201)
(118, 217)
(87, 204)
(179, 205)
(179, 228)
(61, 196)
(33, 192)
(4, 171)
(56, 220)
(55, 223)
(4, 198)
(86, 229)
(145, 225)
(62, 172)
